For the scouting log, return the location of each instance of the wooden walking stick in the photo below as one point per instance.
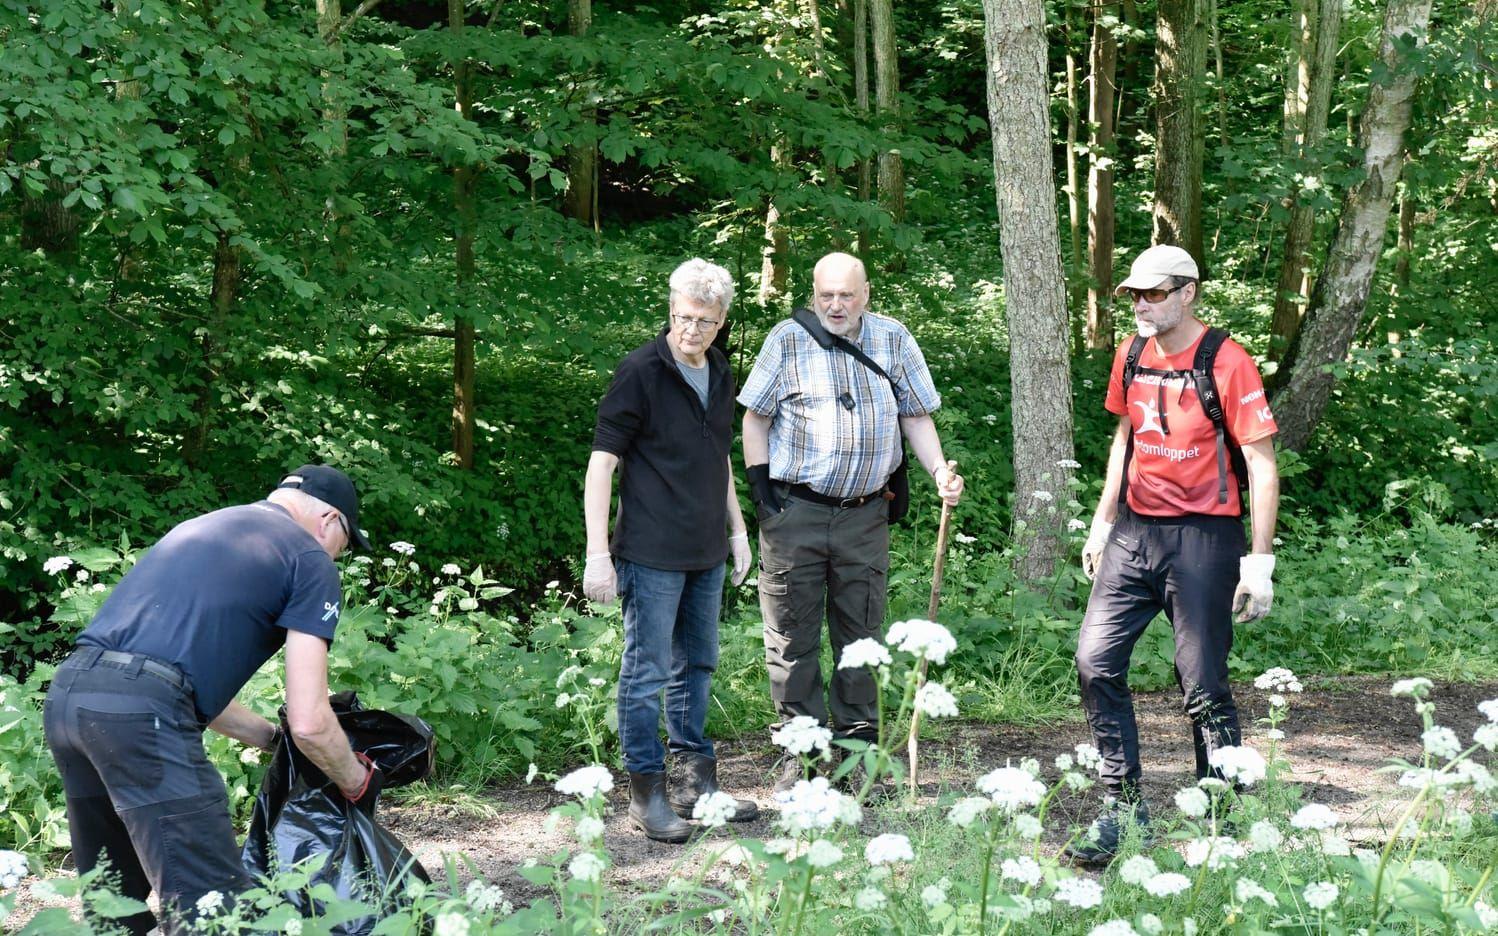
(938, 567)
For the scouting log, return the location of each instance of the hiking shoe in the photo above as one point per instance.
(1099, 844)
(792, 771)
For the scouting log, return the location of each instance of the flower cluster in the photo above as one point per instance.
(1277, 679)
(1242, 765)
(802, 735)
(863, 652)
(1011, 789)
(934, 701)
(813, 805)
(925, 639)
(586, 782)
(13, 868)
(714, 809)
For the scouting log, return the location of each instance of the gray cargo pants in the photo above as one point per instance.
(815, 558)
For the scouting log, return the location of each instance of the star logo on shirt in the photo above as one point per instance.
(1151, 418)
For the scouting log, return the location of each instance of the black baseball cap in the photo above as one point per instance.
(333, 488)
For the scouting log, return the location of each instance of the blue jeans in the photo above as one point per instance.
(670, 643)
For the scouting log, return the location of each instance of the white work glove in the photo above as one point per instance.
(1092, 550)
(738, 547)
(1255, 587)
(599, 581)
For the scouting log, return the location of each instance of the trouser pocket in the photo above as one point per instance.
(125, 745)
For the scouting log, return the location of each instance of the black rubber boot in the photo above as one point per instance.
(650, 812)
(699, 777)
(1099, 844)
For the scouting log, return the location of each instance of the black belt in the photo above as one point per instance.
(802, 492)
(156, 668)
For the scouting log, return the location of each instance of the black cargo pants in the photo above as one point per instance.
(140, 792)
(1186, 567)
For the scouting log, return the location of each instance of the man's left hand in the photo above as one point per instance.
(1255, 591)
(948, 483)
(738, 547)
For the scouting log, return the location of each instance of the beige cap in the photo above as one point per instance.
(1152, 267)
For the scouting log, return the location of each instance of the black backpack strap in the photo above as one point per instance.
(1211, 401)
(1130, 369)
(808, 320)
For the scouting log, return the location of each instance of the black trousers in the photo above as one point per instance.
(1186, 567)
(140, 792)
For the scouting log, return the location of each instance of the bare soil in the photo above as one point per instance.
(1338, 734)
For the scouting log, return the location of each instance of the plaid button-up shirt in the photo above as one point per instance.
(814, 439)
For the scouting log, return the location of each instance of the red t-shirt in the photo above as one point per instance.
(1174, 468)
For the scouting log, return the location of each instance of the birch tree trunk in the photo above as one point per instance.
(1102, 63)
(1077, 273)
(1180, 58)
(1034, 286)
(464, 411)
(1341, 293)
(774, 252)
(1318, 55)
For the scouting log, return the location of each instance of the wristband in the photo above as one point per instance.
(362, 758)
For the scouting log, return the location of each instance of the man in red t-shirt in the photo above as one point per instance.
(1168, 534)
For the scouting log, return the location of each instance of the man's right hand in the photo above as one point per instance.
(762, 489)
(1092, 550)
(364, 797)
(600, 584)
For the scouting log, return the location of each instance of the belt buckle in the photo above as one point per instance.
(849, 503)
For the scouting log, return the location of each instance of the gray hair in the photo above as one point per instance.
(703, 282)
(299, 502)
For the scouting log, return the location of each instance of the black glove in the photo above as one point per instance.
(762, 489)
(364, 798)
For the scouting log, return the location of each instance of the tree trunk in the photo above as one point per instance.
(1040, 375)
(1077, 275)
(580, 201)
(46, 224)
(887, 103)
(861, 96)
(464, 410)
(1319, 45)
(227, 272)
(1341, 293)
(774, 253)
(1406, 239)
(335, 115)
(1179, 62)
(1128, 69)
(1222, 88)
(1102, 63)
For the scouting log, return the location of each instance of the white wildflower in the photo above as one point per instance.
(1486, 736)
(863, 652)
(1075, 525)
(210, 903)
(1193, 802)
(589, 829)
(1441, 742)
(1063, 762)
(1489, 709)
(586, 866)
(1458, 820)
(403, 547)
(1011, 789)
(1416, 688)
(1216, 851)
(1088, 757)
(1028, 826)
(1277, 701)
(1082, 893)
(802, 735)
(1043, 496)
(1167, 884)
(1242, 765)
(887, 848)
(13, 867)
(1477, 775)
(870, 899)
(1213, 785)
(1247, 889)
(597, 682)
(1273, 734)
(452, 924)
(57, 565)
(1264, 837)
(564, 699)
(968, 810)
(823, 854)
(1151, 925)
(1278, 679)
(714, 809)
(1137, 869)
(81, 575)
(925, 639)
(934, 701)
(1030, 766)
(530, 773)
(1188, 926)
(553, 585)
(292, 927)
(1320, 894)
(1068, 463)
(1023, 869)
(486, 897)
(451, 568)
(586, 782)
(933, 896)
(1335, 846)
(1314, 816)
(1486, 915)
(813, 805)
(249, 756)
(387, 562)
(1113, 928)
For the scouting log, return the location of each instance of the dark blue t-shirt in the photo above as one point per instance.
(216, 596)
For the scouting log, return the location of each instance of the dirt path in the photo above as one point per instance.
(1338, 733)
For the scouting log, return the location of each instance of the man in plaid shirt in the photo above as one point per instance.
(821, 438)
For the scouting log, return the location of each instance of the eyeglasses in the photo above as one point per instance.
(348, 538)
(1153, 296)
(687, 323)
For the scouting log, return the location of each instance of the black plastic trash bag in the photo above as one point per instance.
(300, 814)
